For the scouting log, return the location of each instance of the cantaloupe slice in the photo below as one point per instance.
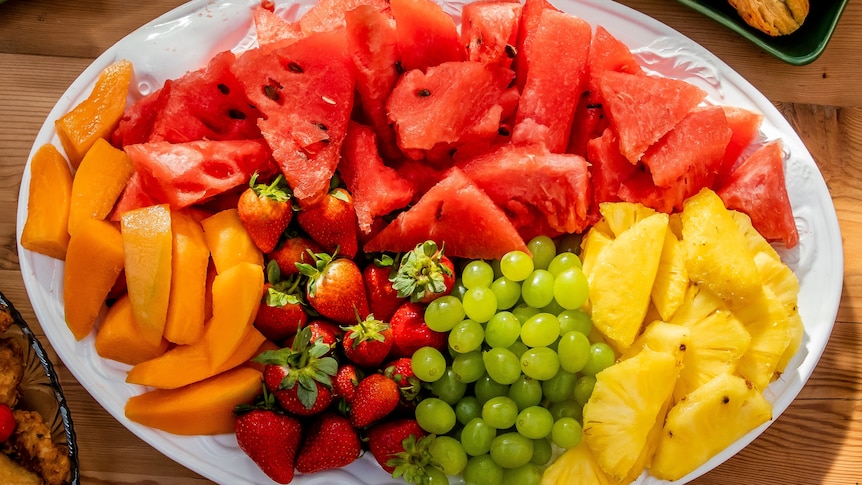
(46, 230)
(228, 241)
(189, 262)
(119, 337)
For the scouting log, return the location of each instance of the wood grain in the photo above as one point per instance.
(46, 44)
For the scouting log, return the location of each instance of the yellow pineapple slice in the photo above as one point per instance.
(756, 242)
(662, 337)
(716, 252)
(707, 421)
(671, 279)
(784, 284)
(767, 322)
(622, 215)
(592, 244)
(575, 465)
(621, 278)
(626, 405)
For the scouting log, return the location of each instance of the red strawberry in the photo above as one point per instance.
(387, 440)
(401, 371)
(367, 343)
(300, 376)
(271, 440)
(346, 381)
(323, 330)
(424, 273)
(265, 211)
(409, 331)
(296, 249)
(383, 299)
(330, 442)
(376, 397)
(332, 223)
(281, 310)
(335, 288)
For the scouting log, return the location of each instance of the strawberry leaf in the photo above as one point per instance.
(421, 272)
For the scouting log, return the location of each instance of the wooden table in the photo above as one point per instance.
(45, 44)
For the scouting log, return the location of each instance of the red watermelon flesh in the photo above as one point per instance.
(691, 153)
(640, 188)
(184, 174)
(456, 214)
(137, 122)
(642, 109)
(305, 91)
(489, 30)
(590, 122)
(556, 62)
(377, 189)
(608, 167)
(326, 15)
(421, 176)
(530, 15)
(452, 102)
(757, 188)
(745, 126)
(271, 28)
(556, 186)
(373, 49)
(134, 196)
(427, 35)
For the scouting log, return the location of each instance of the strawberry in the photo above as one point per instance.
(367, 343)
(270, 438)
(335, 288)
(300, 376)
(376, 397)
(281, 310)
(394, 440)
(330, 442)
(295, 249)
(346, 381)
(265, 211)
(323, 330)
(332, 223)
(383, 298)
(401, 371)
(409, 331)
(424, 274)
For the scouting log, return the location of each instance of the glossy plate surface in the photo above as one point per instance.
(187, 37)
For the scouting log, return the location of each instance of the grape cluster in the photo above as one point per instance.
(520, 365)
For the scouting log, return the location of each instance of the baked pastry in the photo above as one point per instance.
(774, 17)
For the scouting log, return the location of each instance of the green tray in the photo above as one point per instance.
(799, 48)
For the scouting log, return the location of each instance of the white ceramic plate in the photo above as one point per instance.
(188, 36)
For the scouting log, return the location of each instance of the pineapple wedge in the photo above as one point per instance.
(622, 215)
(625, 411)
(756, 242)
(621, 278)
(592, 244)
(662, 337)
(707, 421)
(671, 279)
(575, 465)
(716, 252)
(783, 283)
(767, 322)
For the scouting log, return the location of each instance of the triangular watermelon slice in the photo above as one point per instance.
(745, 126)
(427, 35)
(757, 188)
(489, 30)
(327, 15)
(642, 109)
(530, 15)
(456, 214)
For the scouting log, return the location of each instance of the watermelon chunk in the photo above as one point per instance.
(137, 122)
(271, 28)
(305, 91)
(456, 214)
(556, 61)
(757, 188)
(327, 15)
(642, 109)
(426, 34)
(184, 174)
(134, 196)
(530, 15)
(421, 175)
(745, 127)
(377, 189)
(489, 30)
(608, 167)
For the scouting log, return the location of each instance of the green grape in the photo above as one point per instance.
(511, 450)
(571, 289)
(502, 330)
(507, 291)
(468, 366)
(477, 273)
(476, 437)
(540, 330)
(495, 264)
(526, 392)
(557, 388)
(428, 364)
(458, 289)
(563, 261)
(467, 408)
(542, 452)
(516, 265)
(449, 388)
(486, 388)
(602, 356)
(480, 303)
(553, 308)
(443, 313)
(523, 312)
(567, 409)
(528, 474)
(570, 243)
(584, 389)
(502, 365)
(518, 348)
(435, 476)
(449, 454)
(500, 412)
(574, 351)
(540, 363)
(481, 470)
(467, 335)
(434, 415)
(577, 320)
(538, 289)
(543, 250)
(567, 433)
(534, 422)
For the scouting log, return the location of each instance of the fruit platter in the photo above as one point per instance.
(409, 241)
